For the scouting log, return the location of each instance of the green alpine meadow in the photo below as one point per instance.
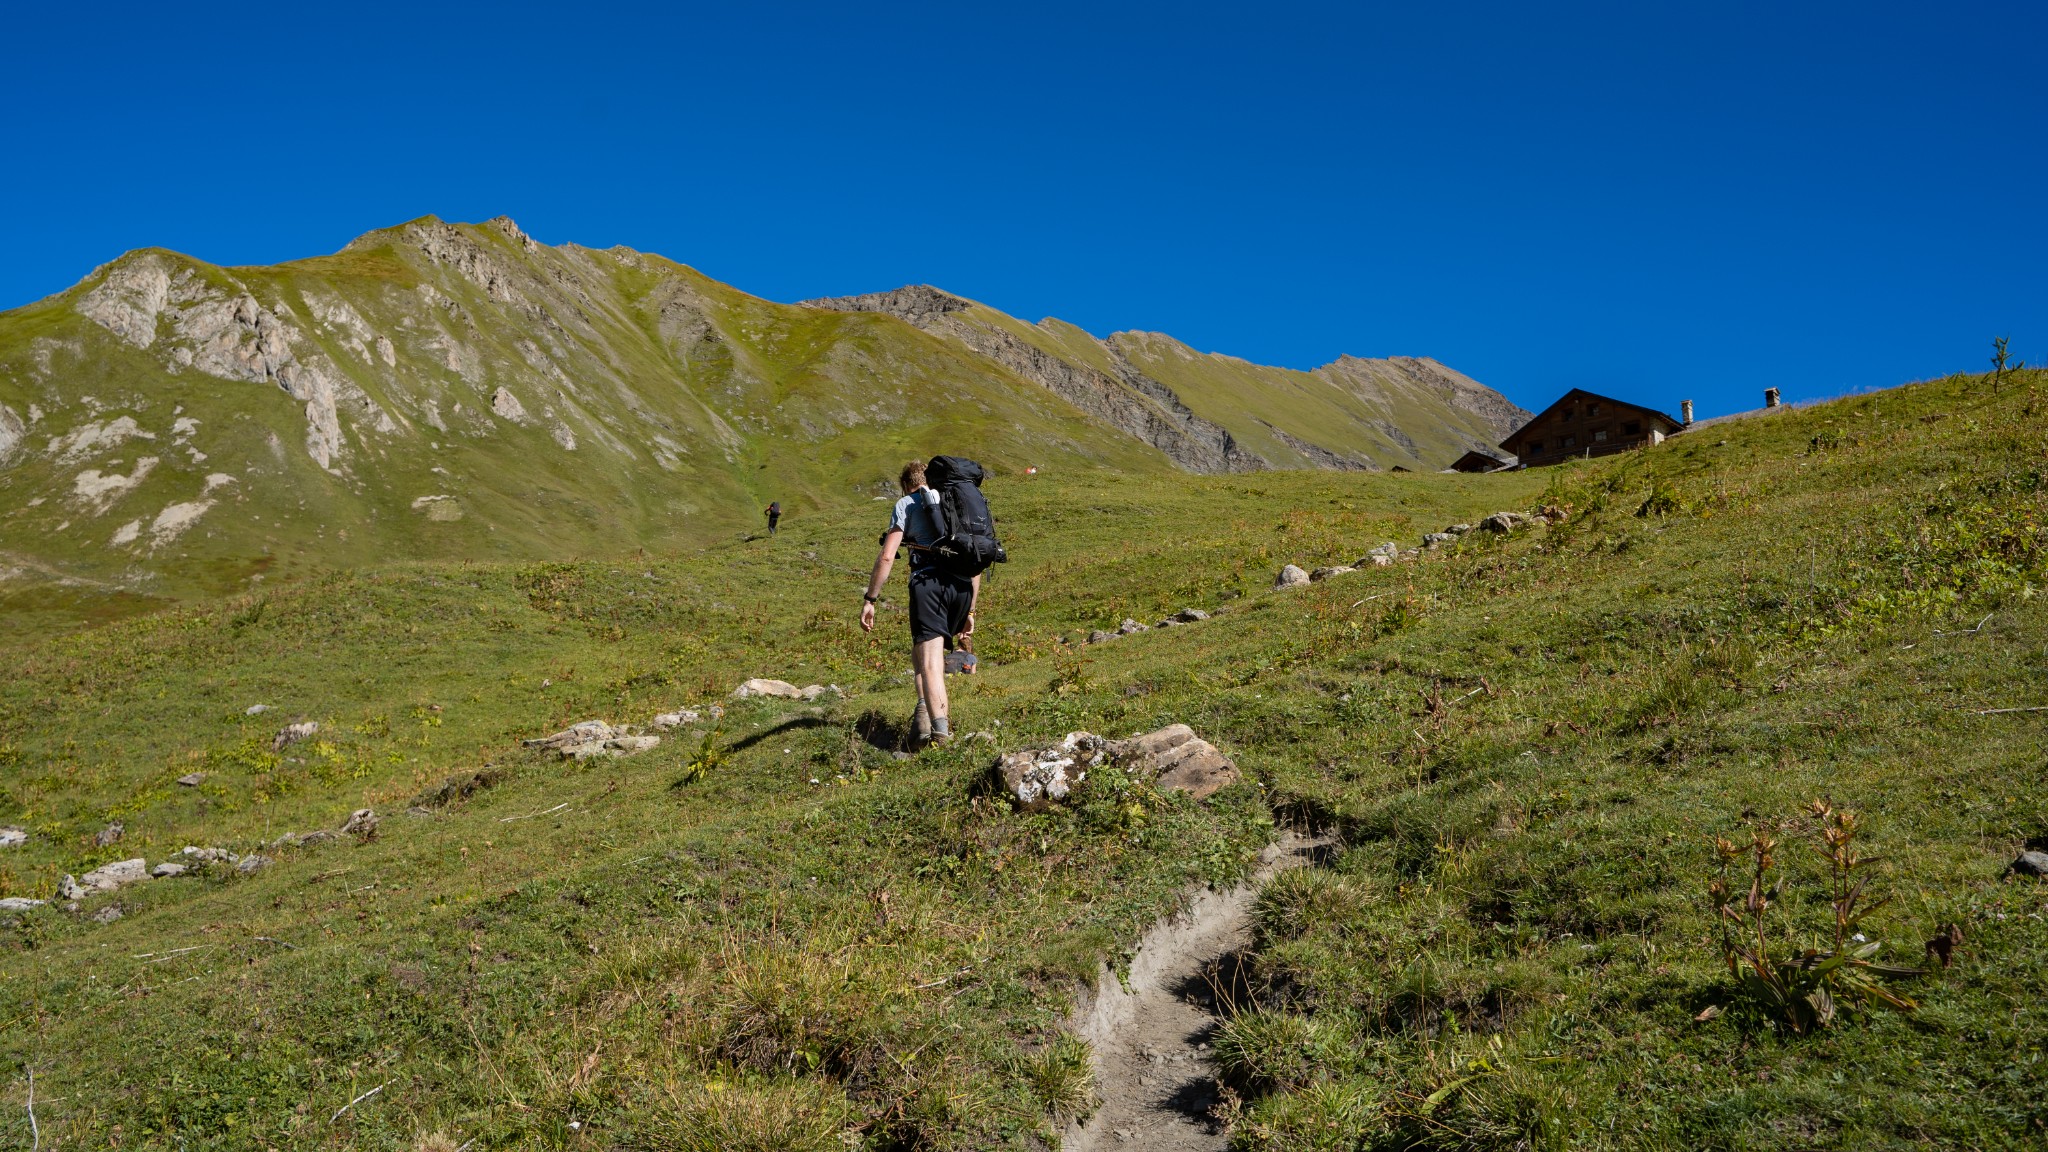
(1694, 796)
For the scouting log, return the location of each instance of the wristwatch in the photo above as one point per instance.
(870, 597)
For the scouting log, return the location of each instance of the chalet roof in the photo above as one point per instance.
(1580, 394)
(1479, 457)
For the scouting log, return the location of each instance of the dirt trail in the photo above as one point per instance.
(1151, 1033)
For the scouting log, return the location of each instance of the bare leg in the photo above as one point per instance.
(929, 660)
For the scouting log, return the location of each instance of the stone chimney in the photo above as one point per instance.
(1685, 411)
(1770, 397)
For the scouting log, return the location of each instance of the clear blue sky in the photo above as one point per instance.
(1659, 201)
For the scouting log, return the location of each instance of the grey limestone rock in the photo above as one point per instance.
(70, 889)
(780, 689)
(255, 709)
(1098, 636)
(252, 863)
(121, 873)
(18, 904)
(1437, 539)
(209, 855)
(1129, 627)
(1173, 759)
(13, 837)
(107, 915)
(362, 823)
(110, 835)
(1458, 529)
(192, 779)
(293, 733)
(1190, 615)
(1292, 576)
(1326, 573)
(168, 869)
(2031, 863)
(1504, 521)
(678, 719)
(582, 732)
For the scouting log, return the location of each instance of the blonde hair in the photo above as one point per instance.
(912, 477)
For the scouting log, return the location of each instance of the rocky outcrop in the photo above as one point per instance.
(1397, 376)
(1171, 759)
(1130, 401)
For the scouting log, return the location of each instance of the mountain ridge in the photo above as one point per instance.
(447, 390)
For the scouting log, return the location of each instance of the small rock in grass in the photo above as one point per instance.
(1377, 561)
(814, 691)
(108, 877)
(18, 904)
(2031, 863)
(255, 709)
(1190, 615)
(13, 837)
(293, 733)
(251, 863)
(631, 745)
(107, 915)
(70, 889)
(1458, 529)
(191, 779)
(582, 732)
(362, 824)
(1503, 521)
(677, 719)
(1437, 539)
(209, 855)
(167, 869)
(780, 689)
(1333, 570)
(1129, 627)
(1292, 576)
(1388, 549)
(110, 835)
(1098, 636)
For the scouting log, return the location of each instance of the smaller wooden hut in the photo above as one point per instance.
(1477, 461)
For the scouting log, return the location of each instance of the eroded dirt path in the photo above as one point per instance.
(1152, 1033)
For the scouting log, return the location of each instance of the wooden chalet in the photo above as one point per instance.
(1582, 423)
(1477, 461)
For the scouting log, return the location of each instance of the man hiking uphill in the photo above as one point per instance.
(774, 514)
(951, 539)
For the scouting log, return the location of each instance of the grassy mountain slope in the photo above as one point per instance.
(1217, 413)
(1522, 743)
(436, 391)
(443, 391)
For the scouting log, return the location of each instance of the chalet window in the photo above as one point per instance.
(1571, 442)
(1535, 446)
(1600, 436)
(1632, 428)
(1592, 409)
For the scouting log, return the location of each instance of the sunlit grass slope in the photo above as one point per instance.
(1522, 744)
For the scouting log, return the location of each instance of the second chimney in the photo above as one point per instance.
(1685, 410)
(1770, 397)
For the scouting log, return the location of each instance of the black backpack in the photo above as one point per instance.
(967, 542)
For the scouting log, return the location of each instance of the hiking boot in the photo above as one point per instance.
(939, 740)
(920, 726)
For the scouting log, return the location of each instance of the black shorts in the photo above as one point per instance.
(939, 604)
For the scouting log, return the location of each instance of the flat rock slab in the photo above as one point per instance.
(119, 874)
(13, 837)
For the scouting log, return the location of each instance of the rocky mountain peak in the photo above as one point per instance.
(913, 302)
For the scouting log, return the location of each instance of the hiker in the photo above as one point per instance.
(774, 514)
(946, 560)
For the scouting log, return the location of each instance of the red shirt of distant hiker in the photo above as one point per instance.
(941, 603)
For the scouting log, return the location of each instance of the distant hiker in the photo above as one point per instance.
(952, 539)
(774, 514)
